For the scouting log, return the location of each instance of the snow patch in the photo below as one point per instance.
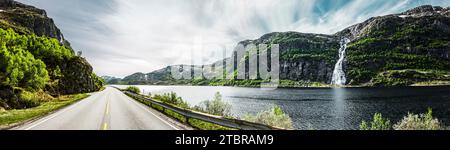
(403, 16)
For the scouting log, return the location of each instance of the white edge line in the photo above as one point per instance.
(51, 117)
(55, 114)
(147, 109)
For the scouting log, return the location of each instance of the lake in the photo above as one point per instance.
(323, 109)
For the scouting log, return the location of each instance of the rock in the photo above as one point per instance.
(415, 39)
(77, 74)
(78, 77)
(20, 16)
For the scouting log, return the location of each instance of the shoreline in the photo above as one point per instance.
(282, 87)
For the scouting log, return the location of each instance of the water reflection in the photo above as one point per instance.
(339, 97)
(337, 108)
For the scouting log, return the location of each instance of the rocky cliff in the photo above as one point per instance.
(393, 50)
(29, 35)
(417, 39)
(27, 19)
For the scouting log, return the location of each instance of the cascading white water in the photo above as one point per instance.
(338, 73)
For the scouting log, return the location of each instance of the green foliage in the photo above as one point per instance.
(133, 89)
(173, 99)
(409, 122)
(275, 116)
(215, 107)
(33, 62)
(202, 125)
(19, 68)
(378, 123)
(199, 124)
(98, 81)
(398, 45)
(47, 49)
(409, 77)
(420, 122)
(26, 59)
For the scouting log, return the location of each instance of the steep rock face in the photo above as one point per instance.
(303, 56)
(28, 19)
(78, 77)
(433, 14)
(69, 74)
(398, 49)
(416, 39)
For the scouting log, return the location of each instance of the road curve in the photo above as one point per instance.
(109, 109)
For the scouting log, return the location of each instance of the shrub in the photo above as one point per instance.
(215, 107)
(172, 98)
(33, 99)
(378, 123)
(275, 116)
(19, 68)
(419, 122)
(133, 89)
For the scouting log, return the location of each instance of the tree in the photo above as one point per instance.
(21, 69)
(215, 107)
(378, 123)
(419, 122)
(275, 116)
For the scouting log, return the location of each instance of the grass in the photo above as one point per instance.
(412, 77)
(11, 117)
(202, 125)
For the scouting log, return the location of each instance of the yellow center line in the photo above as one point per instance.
(107, 108)
(105, 126)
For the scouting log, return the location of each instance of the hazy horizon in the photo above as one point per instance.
(120, 37)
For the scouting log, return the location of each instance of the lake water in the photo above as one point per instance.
(323, 109)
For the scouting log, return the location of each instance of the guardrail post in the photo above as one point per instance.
(187, 121)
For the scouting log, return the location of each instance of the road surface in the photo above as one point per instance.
(109, 109)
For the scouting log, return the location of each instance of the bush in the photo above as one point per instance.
(419, 122)
(28, 99)
(273, 117)
(378, 123)
(19, 68)
(133, 89)
(172, 98)
(215, 107)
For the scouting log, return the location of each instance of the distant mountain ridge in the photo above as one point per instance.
(409, 48)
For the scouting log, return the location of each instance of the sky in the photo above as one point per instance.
(121, 37)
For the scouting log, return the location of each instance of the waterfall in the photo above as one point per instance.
(338, 73)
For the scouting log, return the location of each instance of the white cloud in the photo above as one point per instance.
(145, 35)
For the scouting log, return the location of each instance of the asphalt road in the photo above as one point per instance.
(109, 109)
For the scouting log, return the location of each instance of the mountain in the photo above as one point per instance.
(111, 79)
(34, 56)
(409, 48)
(25, 19)
(404, 49)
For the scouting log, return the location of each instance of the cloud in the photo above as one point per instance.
(120, 37)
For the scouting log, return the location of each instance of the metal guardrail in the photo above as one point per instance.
(219, 120)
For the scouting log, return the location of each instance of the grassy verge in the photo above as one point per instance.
(197, 124)
(11, 117)
(202, 125)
